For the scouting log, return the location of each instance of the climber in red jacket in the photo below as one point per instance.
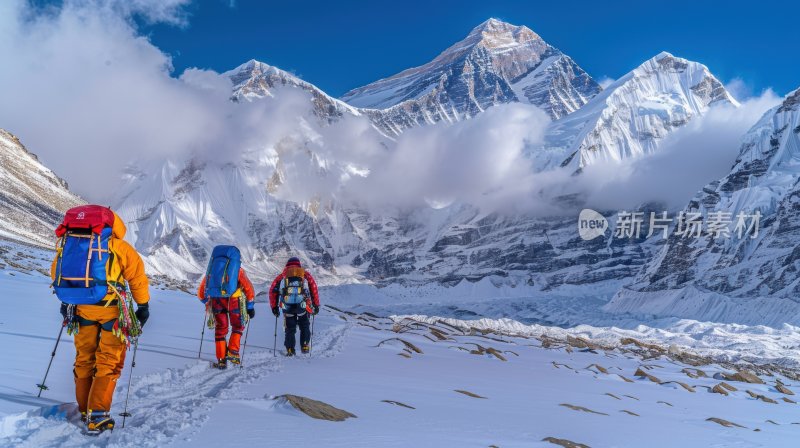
(295, 292)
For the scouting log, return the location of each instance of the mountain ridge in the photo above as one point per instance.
(496, 63)
(33, 197)
(736, 279)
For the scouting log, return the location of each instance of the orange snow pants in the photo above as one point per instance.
(99, 358)
(226, 313)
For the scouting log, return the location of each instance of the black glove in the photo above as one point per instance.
(316, 309)
(143, 313)
(251, 312)
(63, 310)
(276, 311)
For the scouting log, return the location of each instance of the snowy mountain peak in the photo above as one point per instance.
(495, 63)
(499, 36)
(492, 24)
(255, 79)
(631, 116)
(791, 102)
(663, 54)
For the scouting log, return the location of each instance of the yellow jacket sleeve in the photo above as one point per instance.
(133, 271)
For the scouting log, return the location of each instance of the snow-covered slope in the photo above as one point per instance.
(32, 198)
(177, 212)
(422, 381)
(496, 63)
(631, 116)
(737, 279)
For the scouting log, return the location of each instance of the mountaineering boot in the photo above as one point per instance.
(234, 358)
(99, 421)
(221, 364)
(221, 348)
(290, 351)
(305, 348)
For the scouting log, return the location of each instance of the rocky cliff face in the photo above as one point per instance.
(753, 278)
(33, 199)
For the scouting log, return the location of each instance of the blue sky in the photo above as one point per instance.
(345, 44)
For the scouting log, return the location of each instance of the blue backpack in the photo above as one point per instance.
(294, 291)
(83, 258)
(222, 275)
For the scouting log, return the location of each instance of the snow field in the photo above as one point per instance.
(358, 362)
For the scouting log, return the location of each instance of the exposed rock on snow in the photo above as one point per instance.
(564, 443)
(642, 374)
(742, 376)
(469, 394)
(581, 409)
(315, 409)
(723, 422)
(397, 403)
(407, 344)
(761, 397)
(720, 389)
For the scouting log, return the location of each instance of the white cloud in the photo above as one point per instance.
(152, 11)
(739, 89)
(479, 161)
(688, 159)
(605, 81)
(87, 93)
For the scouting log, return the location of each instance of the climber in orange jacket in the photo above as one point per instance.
(227, 311)
(100, 355)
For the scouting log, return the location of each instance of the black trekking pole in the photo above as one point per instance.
(127, 414)
(275, 340)
(311, 341)
(203, 333)
(42, 386)
(241, 358)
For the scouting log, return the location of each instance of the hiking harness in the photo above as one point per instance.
(126, 326)
(243, 316)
